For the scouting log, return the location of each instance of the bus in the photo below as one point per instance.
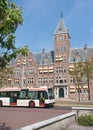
(27, 97)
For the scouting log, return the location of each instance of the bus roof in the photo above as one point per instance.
(38, 89)
(10, 89)
(41, 88)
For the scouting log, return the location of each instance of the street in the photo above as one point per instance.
(12, 118)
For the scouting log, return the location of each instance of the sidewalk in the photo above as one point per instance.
(63, 102)
(75, 126)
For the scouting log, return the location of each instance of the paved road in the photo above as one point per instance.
(12, 118)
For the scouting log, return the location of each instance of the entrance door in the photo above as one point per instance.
(61, 93)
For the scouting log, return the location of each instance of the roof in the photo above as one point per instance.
(79, 54)
(47, 58)
(44, 58)
(61, 27)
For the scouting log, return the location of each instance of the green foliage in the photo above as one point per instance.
(5, 74)
(85, 120)
(77, 73)
(82, 72)
(10, 18)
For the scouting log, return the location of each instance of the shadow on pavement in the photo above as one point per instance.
(4, 127)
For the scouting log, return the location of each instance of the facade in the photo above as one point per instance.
(51, 68)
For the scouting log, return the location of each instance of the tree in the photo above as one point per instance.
(88, 74)
(10, 18)
(82, 74)
(5, 75)
(77, 73)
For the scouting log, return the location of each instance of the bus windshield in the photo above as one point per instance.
(50, 93)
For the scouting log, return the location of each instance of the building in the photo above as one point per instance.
(51, 68)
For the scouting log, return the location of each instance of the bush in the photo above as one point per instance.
(86, 120)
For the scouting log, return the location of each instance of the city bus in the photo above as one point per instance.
(27, 97)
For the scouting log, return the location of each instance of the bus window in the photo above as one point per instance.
(23, 93)
(4, 94)
(14, 94)
(32, 94)
(42, 94)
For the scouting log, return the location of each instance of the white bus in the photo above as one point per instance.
(30, 97)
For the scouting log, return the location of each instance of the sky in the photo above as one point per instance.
(40, 19)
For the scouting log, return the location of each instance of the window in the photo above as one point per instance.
(33, 94)
(61, 49)
(46, 60)
(24, 81)
(40, 80)
(30, 80)
(45, 80)
(30, 62)
(61, 69)
(61, 81)
(4, 94)
(85, 91)
(64, 70)
(65, 81)
(17, 72)
(71, 80)
(64, 58)
(9, 82)
(16, 81)
(31, 71)
(64, 48)
(50, 79)
(57, 49)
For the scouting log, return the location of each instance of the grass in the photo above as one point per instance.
(85, 120)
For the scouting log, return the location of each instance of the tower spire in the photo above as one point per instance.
(61, 14)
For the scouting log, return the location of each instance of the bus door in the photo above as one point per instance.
(41, 98)
(13, 98)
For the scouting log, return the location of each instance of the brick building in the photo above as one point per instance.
(51, 68)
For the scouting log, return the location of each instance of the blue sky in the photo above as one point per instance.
(42, 16)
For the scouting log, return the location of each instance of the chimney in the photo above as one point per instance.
(85, 46)
(43, 50)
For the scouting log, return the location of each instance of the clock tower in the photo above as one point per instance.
(61, 60)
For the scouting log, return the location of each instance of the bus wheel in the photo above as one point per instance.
(0, 103)
(31, 104)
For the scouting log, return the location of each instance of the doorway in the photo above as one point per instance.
(61, 93)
